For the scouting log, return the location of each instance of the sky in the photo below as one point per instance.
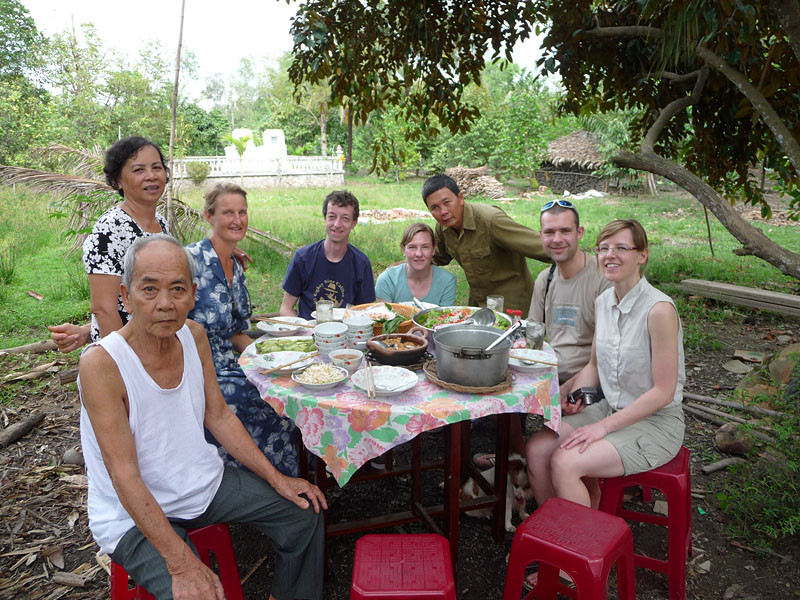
(219, 33)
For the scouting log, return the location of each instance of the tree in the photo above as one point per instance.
(718, 82)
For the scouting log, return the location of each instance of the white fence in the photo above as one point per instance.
(286, 166)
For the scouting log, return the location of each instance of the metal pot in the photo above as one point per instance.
(461, 357)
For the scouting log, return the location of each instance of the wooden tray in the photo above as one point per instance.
(431, 373)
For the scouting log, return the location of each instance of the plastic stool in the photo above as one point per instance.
(214, 538)
(674, 481)
(394, 566)
(585, 543)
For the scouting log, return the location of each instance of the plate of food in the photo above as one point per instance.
(282, 329)
(320, 376)
(297, 343)
(433, 318)
(276, 359)
(526, 360)
(388, 380)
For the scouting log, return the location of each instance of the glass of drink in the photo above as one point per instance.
(495, 303)
(534, 335)
(324, 311)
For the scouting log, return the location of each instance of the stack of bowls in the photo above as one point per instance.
(359, 330)
(330, 336)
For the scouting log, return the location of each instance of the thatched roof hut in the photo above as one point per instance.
(576, 151)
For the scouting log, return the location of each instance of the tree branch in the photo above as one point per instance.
(753, 240)
(625, 31)
(672, 109)
(676, 78)
(771, 118)
(788, 13)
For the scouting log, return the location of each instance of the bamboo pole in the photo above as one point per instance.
(174, 117)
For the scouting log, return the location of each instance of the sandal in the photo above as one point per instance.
(532, 577)
(484, 461)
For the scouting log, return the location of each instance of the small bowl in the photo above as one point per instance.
(354, 323)
(326, 332)
(347, 358)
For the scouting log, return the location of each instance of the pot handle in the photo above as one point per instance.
(476, 353)
(418, 331)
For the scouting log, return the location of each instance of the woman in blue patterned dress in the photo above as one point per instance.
(222, 306)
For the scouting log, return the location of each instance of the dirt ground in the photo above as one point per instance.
(44, 525)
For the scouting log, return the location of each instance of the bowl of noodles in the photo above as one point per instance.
(320, 376)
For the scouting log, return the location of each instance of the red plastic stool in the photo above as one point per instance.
(674, 481)
(393, 566)
(214, 538)
(585, 543)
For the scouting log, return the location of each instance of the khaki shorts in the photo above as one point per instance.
(643, 446)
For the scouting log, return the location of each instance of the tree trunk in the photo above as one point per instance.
(323, 126)
(753, 241)
(651, 185)
(348, 159)
(174, 116)
(788, 13)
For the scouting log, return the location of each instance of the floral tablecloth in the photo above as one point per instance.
(346, 429)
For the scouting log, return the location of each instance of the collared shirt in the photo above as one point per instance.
(624, 358)
(491, 248)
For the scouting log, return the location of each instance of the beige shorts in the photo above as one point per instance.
(643, 446)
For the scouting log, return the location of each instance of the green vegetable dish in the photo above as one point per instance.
(305, 344)
(456, 314)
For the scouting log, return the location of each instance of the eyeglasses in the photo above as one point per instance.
(237, 312)
(603, 250)
(561, 203)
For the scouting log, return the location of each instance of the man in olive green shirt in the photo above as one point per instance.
(488, 244)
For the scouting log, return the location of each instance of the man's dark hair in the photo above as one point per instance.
(118, 154)
(436, 182)
(341, 198)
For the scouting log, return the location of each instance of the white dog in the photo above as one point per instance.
(518, 491)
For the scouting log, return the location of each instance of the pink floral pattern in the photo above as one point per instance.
(346, 429)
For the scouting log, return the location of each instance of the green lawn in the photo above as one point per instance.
(35, 247)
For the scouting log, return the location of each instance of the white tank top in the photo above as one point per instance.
(624, 360)
(178, 466)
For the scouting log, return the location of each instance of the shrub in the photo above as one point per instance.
(198, 171)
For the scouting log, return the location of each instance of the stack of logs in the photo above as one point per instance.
(476, 182)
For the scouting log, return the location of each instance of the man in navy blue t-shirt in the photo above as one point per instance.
(330, 269)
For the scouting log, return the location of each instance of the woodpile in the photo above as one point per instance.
(476, 182)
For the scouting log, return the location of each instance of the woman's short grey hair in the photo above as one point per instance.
(129, 263)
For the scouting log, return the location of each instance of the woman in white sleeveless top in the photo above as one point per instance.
(637, 359)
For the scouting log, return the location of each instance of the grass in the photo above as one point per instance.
(674, 222)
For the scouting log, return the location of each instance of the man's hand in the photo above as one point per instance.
(243, 257)
(291, 488)
(192, 580)
(69, 337)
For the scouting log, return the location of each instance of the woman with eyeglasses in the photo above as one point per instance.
(637, 360)
(222, 306)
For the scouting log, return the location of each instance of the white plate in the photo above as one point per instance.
(278, 330)
(530, 367)
(275, 359)
(388, 380)
(323, 386)
(338, 314)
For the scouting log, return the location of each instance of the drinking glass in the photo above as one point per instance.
(534, 335)
(324, 311)
(495, 303)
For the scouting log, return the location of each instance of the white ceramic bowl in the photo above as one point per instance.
(322, 386)
(327, 332)
(348, 358)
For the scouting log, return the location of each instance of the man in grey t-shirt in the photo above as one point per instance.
(563, 298)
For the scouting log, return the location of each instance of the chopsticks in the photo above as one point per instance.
(532, 360)
(297, 360)
(278, 321)
(370, 381)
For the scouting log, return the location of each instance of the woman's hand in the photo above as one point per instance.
(69, 337)
(291, 488)
(585, 436)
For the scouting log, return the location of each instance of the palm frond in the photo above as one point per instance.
(47, 181)
(84, 163)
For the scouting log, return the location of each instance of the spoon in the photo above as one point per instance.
(508, 332)
(484, 317)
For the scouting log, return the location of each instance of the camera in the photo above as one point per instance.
(589, 395)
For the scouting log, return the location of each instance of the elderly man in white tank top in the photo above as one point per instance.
(147, 390)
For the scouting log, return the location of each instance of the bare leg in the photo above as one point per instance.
(569, 466)
(539, 452)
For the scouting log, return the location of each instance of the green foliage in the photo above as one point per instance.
(386, 139)
(198, 171)
(8, 265)
(764, 499)
(19, 40)
(522, 144)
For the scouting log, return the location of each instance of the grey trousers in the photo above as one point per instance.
(298, 537)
